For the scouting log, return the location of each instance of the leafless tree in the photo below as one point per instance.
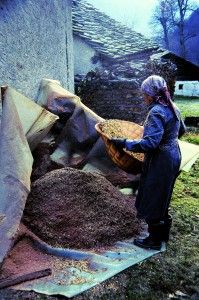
(171, 16)
(162, 19)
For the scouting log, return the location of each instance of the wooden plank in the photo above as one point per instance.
(3, 89)
(22, 278)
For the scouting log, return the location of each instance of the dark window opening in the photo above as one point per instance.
(180, 86)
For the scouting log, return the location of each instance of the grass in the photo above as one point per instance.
(188, 107)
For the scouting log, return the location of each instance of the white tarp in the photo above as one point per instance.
(190, 153)
(35, 120)
(23, 125)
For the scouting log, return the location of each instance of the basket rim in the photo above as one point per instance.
(97, 127)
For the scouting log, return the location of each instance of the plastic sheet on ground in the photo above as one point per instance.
(73, 281)
(23, 125)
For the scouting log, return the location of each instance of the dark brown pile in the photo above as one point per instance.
(76, 209)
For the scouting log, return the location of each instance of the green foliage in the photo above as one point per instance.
(188, 107)
(191, 138)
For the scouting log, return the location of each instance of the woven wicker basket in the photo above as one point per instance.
(126, 160)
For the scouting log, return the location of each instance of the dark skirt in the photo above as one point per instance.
(160, 170)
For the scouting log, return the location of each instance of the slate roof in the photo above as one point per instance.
(106, 35)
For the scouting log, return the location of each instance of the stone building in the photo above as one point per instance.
(187, 75)
(36, 42)
(111, 61)
(187, 88)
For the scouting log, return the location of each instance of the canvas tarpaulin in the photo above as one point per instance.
(81, 138)
(76, 143)
(23, 126)
(190, 154)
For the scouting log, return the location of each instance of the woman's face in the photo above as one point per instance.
(148, 99)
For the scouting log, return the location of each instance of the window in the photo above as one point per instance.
(180, 87)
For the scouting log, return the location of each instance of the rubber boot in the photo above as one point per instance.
(166, 228)
(154, 240)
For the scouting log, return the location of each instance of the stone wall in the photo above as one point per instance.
(35, 43)
(114, 99)
(114, 91)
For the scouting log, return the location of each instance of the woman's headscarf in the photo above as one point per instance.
(156, 87)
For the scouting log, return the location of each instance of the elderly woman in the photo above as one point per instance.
(163, 126)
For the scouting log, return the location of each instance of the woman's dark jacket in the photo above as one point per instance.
(161, 163)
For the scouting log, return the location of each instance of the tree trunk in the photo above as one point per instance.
(182, 39)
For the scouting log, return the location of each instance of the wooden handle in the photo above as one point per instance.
(22, 278)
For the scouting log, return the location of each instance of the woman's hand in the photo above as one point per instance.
(119, 143)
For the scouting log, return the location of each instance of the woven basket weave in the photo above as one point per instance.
(126, 160)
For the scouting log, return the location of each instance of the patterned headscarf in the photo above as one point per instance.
(156, 87)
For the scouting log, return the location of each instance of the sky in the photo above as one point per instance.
(132, 13)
